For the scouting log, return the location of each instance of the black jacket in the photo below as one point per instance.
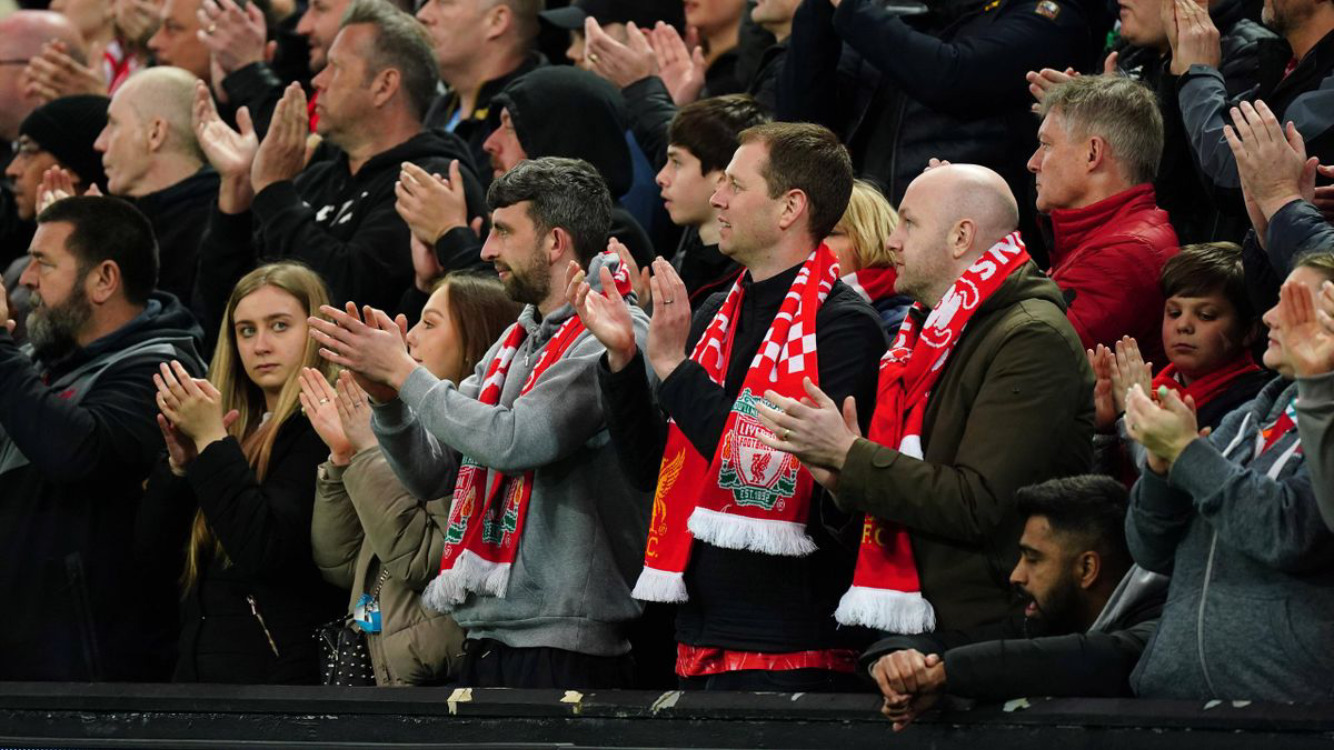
(746, 600)
(703, 268)
(949, 84)
(342, 225)
(74, 452)
(179, 214)
(268, 586)
(1294, 230)
(1018, 657)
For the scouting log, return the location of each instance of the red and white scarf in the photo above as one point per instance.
(886, 592)
(486, 517)
(749, 496)
(873, 284)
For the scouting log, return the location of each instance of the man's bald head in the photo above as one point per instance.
(973, 193)
(167, 93)
(950, 215)
(22, 34)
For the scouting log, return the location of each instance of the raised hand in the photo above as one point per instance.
(426, 266)
(680, 66)
(622, 64)
(1271, 162)
(1307, 342)
(138, 20)
(670, 325)
(1105, 410)
(431, 205)
(354, 411)
(607, 318)
(282, 154)
(1040, 82)
(235, 36)
(1128, 368)
(9, 323)
(57, 184)
(52, 74)
(1193, 37)
(1163, 429)
(193, 405)
(814, 428)
(319, 402)
(373, 348)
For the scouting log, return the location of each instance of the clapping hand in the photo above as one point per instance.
(1164, 429)
(680, 62)
(52, 74)
(282, 154)
(9, 323)
(1128, 368)
(670, 325)
(234, 36)
(192, 405)
(814, 429)
(354, 411)
(1306, 331)
(432, 205)
(606, 317)
(621, 64)
(320, 403)
(1191, 35)
(373, 349)
(1271, 162)
(57, 184)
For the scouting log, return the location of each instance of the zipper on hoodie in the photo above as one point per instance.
(1199, 622)
(254, 610)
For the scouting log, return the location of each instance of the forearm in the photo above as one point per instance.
(1202, 98)
(422, 464)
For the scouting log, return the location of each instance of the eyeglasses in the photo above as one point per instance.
(27, 149)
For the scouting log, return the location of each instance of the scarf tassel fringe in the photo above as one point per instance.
(763, 535)
(660, 586)
(897, 612)
(471, 574)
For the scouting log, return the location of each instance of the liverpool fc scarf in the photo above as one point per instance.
(486, 517)
(1207, 388)
(873, 284)
(748, 496)
(886, 593)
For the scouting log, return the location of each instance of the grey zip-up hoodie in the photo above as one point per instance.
(1315, 417)
(1250, 609)
(583, 539)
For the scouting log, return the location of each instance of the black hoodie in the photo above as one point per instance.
(179, 214)
(77, 439)
(342, 225)
(565, 111)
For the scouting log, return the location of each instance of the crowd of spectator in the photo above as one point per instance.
(958, 349)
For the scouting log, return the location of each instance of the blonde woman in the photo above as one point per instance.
(860, 242)
(227, 514)
(369, 534)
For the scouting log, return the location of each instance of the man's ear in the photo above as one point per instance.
(961, 237)
(102, 282)
(157, 132)
(1088, 569)
(795, 205)
(497, 20)
(1096, 153)
(560, 244)
(386, 83)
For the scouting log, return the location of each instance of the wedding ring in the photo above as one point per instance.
(212, 28)
(593, 57)
(324, 401)
(668, 301)
(787, 434)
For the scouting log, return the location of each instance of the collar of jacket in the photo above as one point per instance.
(1311, 68)
(482, 109)
(1072, 227)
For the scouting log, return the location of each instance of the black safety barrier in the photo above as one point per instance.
(215, 716)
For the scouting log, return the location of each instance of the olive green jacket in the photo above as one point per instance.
(1013, 406)
(365, 524)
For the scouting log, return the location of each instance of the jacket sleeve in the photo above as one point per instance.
(1202, 97)
(1095, 665)
(335, 530)
(113, 427)
(651, 111)
(974, 73)
(226, 253)
(557, 417)
(1295, 230)
(966, 500)
(265, 528)
(257, 87)
(1315, 415)
(460, 250)
(634, 421)
(1275, 522)
(368, 266)
(404, 532)
(1101, 280)
(941, 641)
(1158, 518)
(809, 80)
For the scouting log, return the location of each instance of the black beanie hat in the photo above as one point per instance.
(67, 128)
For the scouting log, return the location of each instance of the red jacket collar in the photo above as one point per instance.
(1072, 227)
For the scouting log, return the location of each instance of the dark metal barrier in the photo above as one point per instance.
(215, 716)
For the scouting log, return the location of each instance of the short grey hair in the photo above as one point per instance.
(1122, 112)
(565, 193)
(400, 43)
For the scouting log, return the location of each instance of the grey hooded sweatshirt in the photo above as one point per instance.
(1250, 609)
(583, 539)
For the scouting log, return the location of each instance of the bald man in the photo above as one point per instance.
(151, 157)
(22, 35)
(988, 390)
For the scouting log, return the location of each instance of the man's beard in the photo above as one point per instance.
(530, 285)
(54, 331)
(1060, 613)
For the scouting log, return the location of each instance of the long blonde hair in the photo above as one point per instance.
(255, 433)
(868, 222)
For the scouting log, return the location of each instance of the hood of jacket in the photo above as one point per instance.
(164, 319)
(565, 111)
